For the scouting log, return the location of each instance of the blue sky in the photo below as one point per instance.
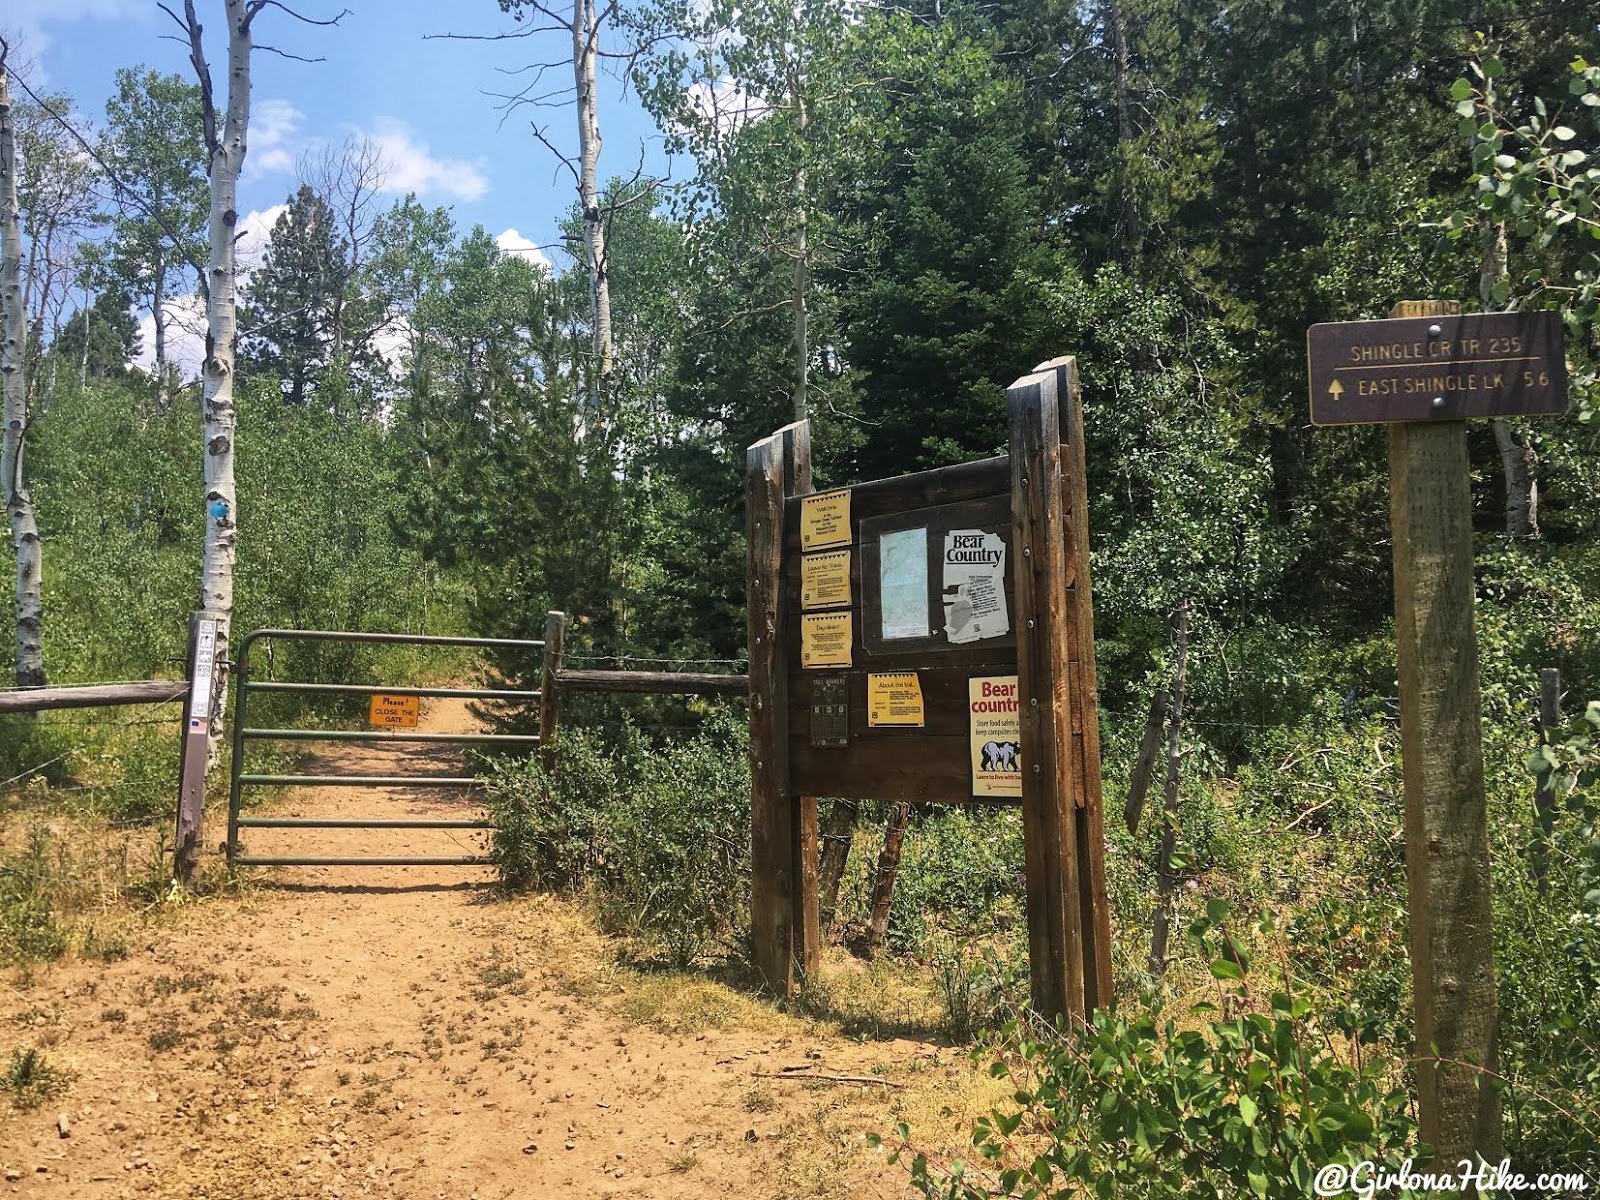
(423, 101)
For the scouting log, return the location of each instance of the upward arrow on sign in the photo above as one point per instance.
(1336, 389)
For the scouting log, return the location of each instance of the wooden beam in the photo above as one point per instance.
(682, 683)
(1446, 819)
(1088, 797)
(1144, 766)
(785, 944)
(1039, 567)
(95, 695)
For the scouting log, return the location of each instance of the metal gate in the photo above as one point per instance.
(242, 732)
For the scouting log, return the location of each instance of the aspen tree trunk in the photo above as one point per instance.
(802, 250)
(13, 379)
(1518, 460)
(585, 36)
(88, 332)
(226, 147)
(159, 298)
(1118, 31)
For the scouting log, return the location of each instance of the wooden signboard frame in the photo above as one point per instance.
(1034, 501)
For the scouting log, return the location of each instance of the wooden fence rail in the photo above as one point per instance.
(93, 695)
(558, 680)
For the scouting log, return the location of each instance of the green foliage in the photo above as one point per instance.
(30, 1078)
(960, 873)
(1547, 956)
(294, 301)
(982, 991)
(659, 836)
(1537, 179)
(673, 861)
(155, 156)
(29, 931)
(1249, 1101)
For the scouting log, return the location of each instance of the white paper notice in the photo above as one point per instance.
(903, 583)
(974, 586)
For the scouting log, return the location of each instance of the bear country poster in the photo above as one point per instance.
(994, 732)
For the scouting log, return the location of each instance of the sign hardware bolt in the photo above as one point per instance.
(1438, 401)
(1433, 330)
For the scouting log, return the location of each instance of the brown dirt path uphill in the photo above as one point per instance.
(385, 1031)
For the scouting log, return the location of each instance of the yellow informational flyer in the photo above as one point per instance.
(825, 580)
(895, 699)
(825, 639)
(825, 520)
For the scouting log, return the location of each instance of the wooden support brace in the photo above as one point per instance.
(784, 934)
(1040, 565)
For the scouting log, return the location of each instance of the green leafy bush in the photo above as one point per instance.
(1547, 967)
(29, 931)
(1250, 1102)
(659, 836)
(960, 873)
(673, 864)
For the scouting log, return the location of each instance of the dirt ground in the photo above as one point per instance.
(398, 1032)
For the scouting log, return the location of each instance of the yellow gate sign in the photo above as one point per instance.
(394, 712)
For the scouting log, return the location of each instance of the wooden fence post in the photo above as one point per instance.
(784, 936)
(1040, 549)
(1544, 800)
(1145, 765)
(894, 839)
(1446, 819)
(555, 645)
(1161, 919)
(1088, 799)
(205, 687)
(836, 842)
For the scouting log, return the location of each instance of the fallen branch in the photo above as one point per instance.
(871, 1080)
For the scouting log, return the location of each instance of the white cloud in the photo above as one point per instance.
(186, 315)
(512, 242)
(412, 168)
(272, 143)
(186, 336)
(254, 229)
(28, 22)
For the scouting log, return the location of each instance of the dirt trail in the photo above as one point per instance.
(386, 1031)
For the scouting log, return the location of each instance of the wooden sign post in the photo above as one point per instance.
(929, 638)
(1421, 372)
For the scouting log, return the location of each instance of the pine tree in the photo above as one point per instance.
(293, 297)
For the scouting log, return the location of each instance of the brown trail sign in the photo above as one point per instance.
(930, 638)
(1424, 370)
(1432, 368)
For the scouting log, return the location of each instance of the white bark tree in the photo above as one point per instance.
(1519, 461)
(13, 372)
(585, 46)
(224, 134)
(583, 30)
